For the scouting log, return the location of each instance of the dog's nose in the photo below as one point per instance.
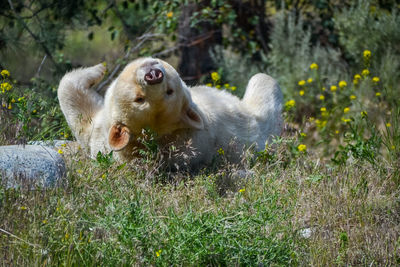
(154, 76)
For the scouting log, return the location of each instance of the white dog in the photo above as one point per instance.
(150, 94)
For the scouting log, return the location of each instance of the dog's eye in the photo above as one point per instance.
(139, 99)
(170, 91)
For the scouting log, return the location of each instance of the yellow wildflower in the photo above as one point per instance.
(218, 86)
(346, 110)
(365, 72)
(321, 97)
(63, 145)
(367, 54)
(290, 104)
(13, 100)
(21, 98)
(44, 221)
(22, 208)
(393, 147)
(226, 85)
(9, 106)
(104, 176)
(357, 77)
(314, 66)
(320, 124)
(66, 235)
(388, 124)
(5, 86)
(363, 114)
(337, 132)
(215, 76)
(345, 119)
(323, 88)
(303, 134)
(375, 79)
(4, 105)
(34, 111)
(352, 97)
(158, 253)
(66, 135)
(323, 109)
(301, 93)
(170, 14)
(302, 148)
(233, 88)
(242, 190)
(342, 84)
(5, 73)
(221, 151)
(302, 82)
(355, 82)
(209, 84)
(378, 94)
(310, 80)
(60, 151)
(333, 88)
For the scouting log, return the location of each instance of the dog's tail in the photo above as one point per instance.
(78, 102)
(263, 98)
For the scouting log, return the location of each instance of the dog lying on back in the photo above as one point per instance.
(149, 94)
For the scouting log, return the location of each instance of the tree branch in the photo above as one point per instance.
(36, 38)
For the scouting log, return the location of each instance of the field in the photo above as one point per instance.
(324, 193)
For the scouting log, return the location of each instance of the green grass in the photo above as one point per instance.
(121, 215)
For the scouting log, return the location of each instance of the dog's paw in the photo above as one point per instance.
(95, 74)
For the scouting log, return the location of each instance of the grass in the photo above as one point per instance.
(119, 215)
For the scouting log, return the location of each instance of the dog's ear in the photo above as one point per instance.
(118, 137)
(191, 116)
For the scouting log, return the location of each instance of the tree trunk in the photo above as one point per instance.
(195, 60)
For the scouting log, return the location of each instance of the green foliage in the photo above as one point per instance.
(366, 25)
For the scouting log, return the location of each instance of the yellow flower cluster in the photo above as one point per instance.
(367, 54)
(346, 110)
(302, 148)
(364, 114)
(333, 88)
(314, 66)
(375, 79)
(221, 151)
(301, 93)
(215, 76)
(352, 97)
(5, 73)
(290, 104)
(320, 124)
(365, 72)
(342, 84)
(170, 14)
(5, 87)
(356, 79)
(302, 82)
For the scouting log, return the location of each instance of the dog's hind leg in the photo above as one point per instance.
(78, 102)
(263, 99)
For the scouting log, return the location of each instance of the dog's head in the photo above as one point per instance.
(150, 94)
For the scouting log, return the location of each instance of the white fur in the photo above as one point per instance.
(207, 117)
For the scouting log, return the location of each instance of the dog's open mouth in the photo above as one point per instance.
(154, 76)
